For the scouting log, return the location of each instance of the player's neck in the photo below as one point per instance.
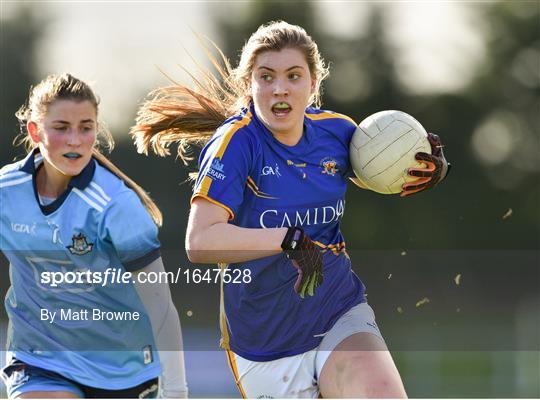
(51, 182)
(290, 137)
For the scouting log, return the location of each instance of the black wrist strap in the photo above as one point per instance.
(292, 239)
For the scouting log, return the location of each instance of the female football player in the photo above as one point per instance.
(268, 201)
(72, 227)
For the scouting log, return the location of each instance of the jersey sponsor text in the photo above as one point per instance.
(274, 218)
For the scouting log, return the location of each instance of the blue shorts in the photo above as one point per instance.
(20, 378)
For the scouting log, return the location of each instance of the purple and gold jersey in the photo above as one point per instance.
(264, 183)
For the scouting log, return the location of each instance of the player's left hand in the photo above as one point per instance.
(306, 258)
(436, 168)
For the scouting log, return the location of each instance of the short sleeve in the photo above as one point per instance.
(341, 127)
(349, 128)
(128, 227)
(224, 166)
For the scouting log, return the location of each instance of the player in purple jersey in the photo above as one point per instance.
(268, 199)
(67, 208)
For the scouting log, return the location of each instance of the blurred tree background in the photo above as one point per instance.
(470, 246)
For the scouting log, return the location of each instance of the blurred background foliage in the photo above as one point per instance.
(482, 223)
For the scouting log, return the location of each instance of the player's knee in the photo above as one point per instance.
(348, 370)
(384, 387)
(358, 377)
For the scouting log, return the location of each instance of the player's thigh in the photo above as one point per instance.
(359, 319)
(361, 366)
(47, 395)
(353, 355)
(288, 377)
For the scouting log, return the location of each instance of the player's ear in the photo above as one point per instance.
(32, 129)
(249, 86)
(313, 85)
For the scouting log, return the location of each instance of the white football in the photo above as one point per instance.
(383, 148)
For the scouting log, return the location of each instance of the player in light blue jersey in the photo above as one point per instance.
(268, 201)
(73, 228)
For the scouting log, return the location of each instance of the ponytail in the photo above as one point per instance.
(178, 114)
(148, 203)
(187, 116)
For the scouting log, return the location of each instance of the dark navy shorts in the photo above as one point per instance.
(21, 378)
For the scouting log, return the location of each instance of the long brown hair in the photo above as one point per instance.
(189, 116)
(67, 87)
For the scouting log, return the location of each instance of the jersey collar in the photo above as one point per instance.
(80, 181)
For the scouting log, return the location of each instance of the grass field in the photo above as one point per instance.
(442, 374)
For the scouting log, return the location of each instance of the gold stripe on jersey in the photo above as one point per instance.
(232, 364)
(259, 194)
(217, 203)
(227, 136)
(204, 187)
(329, 115)
(224, 342)
(225, 333)
(335, 248)
(255, 189)
(230, 133)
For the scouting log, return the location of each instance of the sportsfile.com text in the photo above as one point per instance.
(113, 276)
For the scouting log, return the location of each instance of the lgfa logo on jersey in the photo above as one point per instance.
(329, 166)
(24, 228)
(216, 170)
(268, 170)
(80, 245)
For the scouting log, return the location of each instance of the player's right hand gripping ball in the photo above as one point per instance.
(436, 168)
(307, 258)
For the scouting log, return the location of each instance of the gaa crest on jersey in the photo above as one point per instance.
(80, 245)
(329, 166)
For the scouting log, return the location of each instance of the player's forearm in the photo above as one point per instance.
(173, 375)
(156, 299)
(226, 243)
(359, 183)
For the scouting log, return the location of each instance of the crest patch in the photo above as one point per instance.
(329, 166)
(80, 245)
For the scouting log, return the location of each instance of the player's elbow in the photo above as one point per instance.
(196, 247)
(195, 256)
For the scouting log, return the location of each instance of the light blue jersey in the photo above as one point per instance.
(98, 224)
(263, 183)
